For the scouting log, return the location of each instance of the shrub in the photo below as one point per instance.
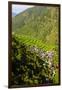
(30, 64)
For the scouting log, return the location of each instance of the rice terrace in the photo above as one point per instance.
(35, 45)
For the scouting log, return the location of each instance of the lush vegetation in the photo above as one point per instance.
(35, 43)
(30, 64)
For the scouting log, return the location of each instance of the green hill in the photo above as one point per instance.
(38, 26)
(39, 22)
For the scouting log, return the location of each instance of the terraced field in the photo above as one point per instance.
(35, 45)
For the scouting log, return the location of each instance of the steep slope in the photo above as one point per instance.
(26, 16)
(40, 22)
(39, 26)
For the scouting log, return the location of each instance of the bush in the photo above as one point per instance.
(30, 64)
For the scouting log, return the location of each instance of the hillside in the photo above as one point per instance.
(36, 27)
(38, 22)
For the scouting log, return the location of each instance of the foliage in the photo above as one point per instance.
(34, 42)
(30, 64)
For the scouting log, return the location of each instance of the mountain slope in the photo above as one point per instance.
(39, 22)
(39, 26)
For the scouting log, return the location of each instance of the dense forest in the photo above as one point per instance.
(35, 45)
